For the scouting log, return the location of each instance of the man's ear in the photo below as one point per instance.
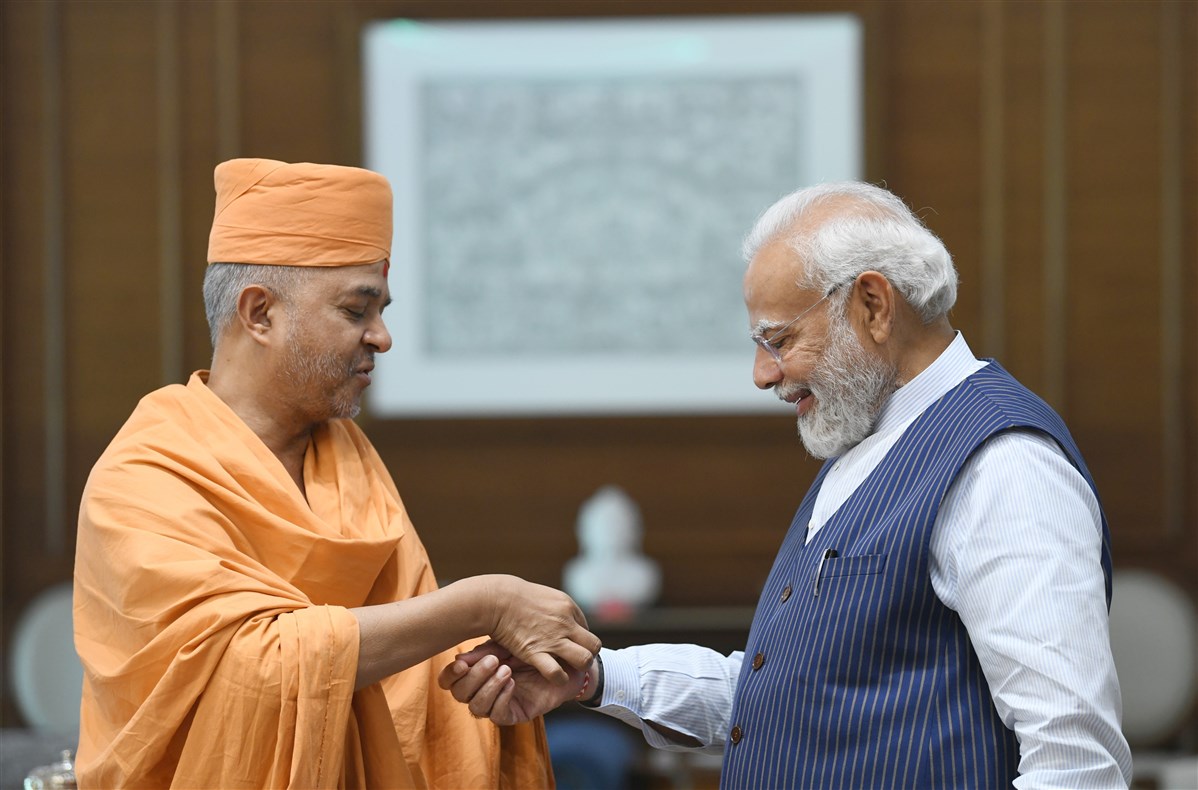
(876, 299)
(255, 306)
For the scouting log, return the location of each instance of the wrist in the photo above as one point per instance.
(481, 597)
(587, 685)
(591, 693)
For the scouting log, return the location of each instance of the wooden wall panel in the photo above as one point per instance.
(199, 151)
(1186, 530)
(716, 494)
(1113, 366)
(23, 520)
(295, 76)
(110, 185)
(1172, 224)
(1033, 137)
(1023, 193)
(934, 139)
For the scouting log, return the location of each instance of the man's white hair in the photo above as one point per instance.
(224, 282)
(869, 229)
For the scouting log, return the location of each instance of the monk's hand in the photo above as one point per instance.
(496, 685)
(541, 626)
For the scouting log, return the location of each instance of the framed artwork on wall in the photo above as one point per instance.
(571, 195)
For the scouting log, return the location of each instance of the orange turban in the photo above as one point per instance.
(270, 212)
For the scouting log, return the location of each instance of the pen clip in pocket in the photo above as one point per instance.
(819, 571)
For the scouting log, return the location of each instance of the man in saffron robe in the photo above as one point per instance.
(253, 607)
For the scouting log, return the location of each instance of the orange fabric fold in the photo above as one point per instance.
(211, 615)
(302, 214)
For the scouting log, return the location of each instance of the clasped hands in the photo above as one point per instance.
(535, 661)
(496, 685)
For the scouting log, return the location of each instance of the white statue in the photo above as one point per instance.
(610, 577)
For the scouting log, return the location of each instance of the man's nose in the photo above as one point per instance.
(379, 337)
(766, 370)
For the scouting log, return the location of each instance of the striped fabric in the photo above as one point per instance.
(856, 674)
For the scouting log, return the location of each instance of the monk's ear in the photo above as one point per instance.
(875, 299)
(255, 305)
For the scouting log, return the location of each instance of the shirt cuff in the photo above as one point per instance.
(621, 679)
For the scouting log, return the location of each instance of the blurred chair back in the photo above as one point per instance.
(1154, 637)
(46, 675)
(590, 751)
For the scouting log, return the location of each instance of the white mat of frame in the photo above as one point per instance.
(571, 195)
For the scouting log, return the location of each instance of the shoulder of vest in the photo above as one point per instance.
(1011, 400)
(1015, 406)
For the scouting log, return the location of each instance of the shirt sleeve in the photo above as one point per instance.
(1016, 551)
(678, 696)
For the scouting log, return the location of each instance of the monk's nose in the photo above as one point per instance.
(378, 337)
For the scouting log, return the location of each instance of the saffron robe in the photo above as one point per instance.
(211, 617)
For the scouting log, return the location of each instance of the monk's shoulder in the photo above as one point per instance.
(161, 422)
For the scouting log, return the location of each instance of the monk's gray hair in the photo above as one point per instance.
(875, 231)
(224, 282)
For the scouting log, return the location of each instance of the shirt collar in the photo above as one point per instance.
(954, 365)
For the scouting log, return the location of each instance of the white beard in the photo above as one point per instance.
(850, 386)
(307, 370)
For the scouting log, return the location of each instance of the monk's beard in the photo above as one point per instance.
(849, 385)
(308, 371)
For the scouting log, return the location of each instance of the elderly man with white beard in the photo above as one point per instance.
(937, 613)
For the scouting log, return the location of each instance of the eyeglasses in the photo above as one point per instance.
(773, 343)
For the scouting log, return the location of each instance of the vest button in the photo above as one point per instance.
(786, 593)
(736, 734)
(758, 660)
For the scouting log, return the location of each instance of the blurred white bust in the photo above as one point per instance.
(610, 577)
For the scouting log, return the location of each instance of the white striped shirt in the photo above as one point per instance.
(1015, 552)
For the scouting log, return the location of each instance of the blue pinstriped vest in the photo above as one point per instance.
(873, 682)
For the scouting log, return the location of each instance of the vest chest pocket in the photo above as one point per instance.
(832, 566)
(863, 565)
